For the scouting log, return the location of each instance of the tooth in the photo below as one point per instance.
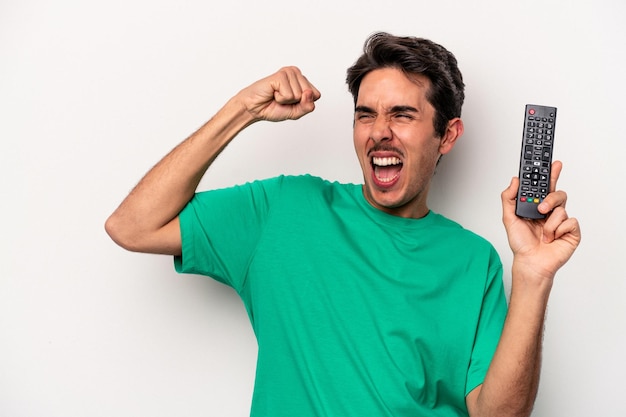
(386, 161)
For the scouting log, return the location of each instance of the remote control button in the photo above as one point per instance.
(537, 142)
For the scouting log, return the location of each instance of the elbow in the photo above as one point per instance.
(119, 232)
(503, 413)
(135, 237)
(515, 405)
(519, 411)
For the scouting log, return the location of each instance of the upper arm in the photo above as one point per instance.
(471, 400)
(166, 240)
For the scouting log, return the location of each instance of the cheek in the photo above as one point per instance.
(425, 156)
(429, 160)
(359, 139)
(359, 132)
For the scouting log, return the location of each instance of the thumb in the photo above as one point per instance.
(510, 193)
(306, 104)
(308, 100)
(508, 198)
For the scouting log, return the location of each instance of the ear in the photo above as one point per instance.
(453, 132)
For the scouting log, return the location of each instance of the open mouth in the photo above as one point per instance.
(386, 169)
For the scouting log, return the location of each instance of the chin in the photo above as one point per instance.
(383, 199)
(395, 202)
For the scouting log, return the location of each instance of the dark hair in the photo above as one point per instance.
(414, 56)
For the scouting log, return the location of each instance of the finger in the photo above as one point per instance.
(552, 200)
(508, 199)
(510, 193)
(308, 100)
(570, 228)
(305, 106)
(567, 228)
(552, 223)
(557, 166)
(302, 84)
(291, 86)
(315, 93)
(286, 91)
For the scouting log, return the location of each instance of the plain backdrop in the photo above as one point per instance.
(92, 94)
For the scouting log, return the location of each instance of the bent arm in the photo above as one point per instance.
(147, 220)
(539, 248)
(511, 384)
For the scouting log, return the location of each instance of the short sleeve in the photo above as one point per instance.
(489, 329)
(220, 230)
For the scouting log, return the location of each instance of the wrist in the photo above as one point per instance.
(530, 283)
(237, 111)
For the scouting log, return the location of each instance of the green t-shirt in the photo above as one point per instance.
(356, 312)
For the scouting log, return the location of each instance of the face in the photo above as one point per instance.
(396, 143)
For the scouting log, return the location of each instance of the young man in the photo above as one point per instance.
(363, 301)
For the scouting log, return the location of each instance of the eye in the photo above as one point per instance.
(403, 116)
(365, 117)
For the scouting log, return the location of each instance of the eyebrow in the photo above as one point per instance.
(394, 109)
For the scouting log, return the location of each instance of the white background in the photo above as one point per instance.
(92, 94)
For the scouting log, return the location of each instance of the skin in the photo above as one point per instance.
(147, 219)
(540, 248)
(392, 119)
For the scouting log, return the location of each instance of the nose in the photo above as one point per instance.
(381, 129)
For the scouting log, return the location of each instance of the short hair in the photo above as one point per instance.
(414, 56)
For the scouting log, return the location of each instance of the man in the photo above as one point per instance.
(363, 301)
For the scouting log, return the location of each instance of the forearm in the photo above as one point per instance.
(539, 248)
(511, 384)
(147, 220)
(163, 192)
